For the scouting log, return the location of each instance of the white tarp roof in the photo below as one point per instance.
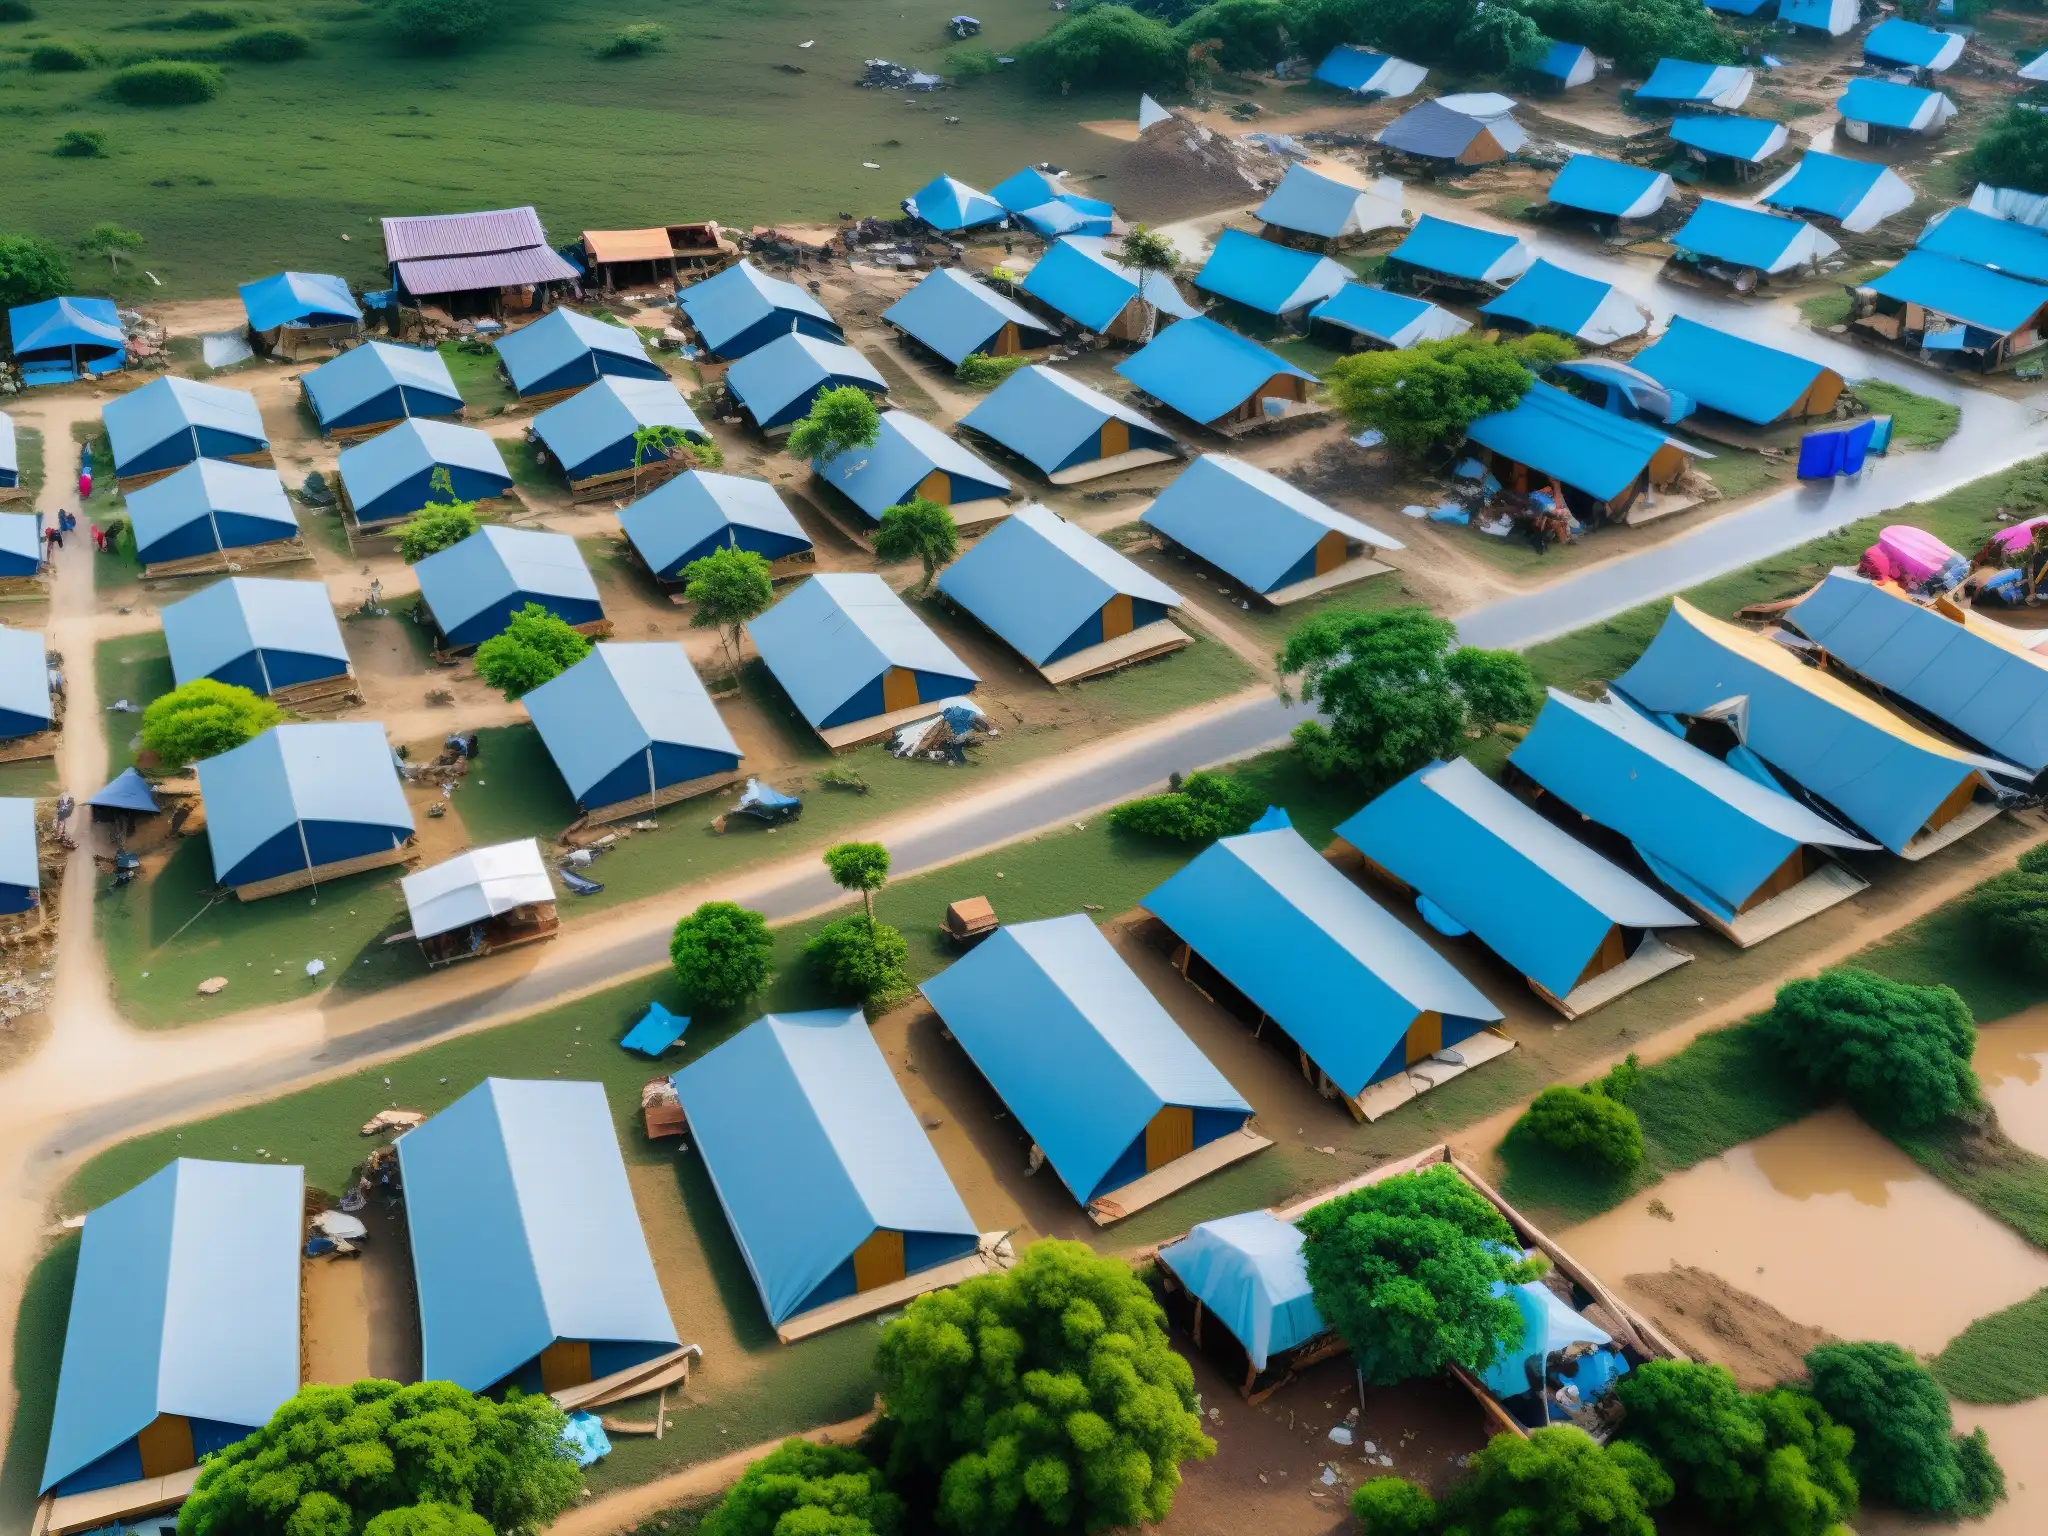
(476, 885)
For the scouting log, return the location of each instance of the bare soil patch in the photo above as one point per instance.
(1713, 1320)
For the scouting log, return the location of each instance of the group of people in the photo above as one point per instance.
(67, 522)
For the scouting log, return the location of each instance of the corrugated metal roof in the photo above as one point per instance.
(206, 489)
(947, 204)
(462, 274)
(334, 771)
(955, 315)
(609, 412)
(224, 622)
(20, 862)
(2003, 245)
(1044, 416)
(24, 673)
(1204, 370)
(1739, 138)
(1550, 298)
(812, 1147)
(362, 373)
(1609, 187)
(1249, 1272)
(1313, 204)
(186, 1302)
(908, 448)
(524, 1231)
(1081, 279)
(1750, 237)
(1724, 85)
(1588, 449)
(65, 322)
(609, 245)
(1983, 298)
(1248, 523)
(371, 468)
(1854, 192)
(424, 236)
(496, 563)
(535, 354)
(166, 407)
(475, 885)
(1463, 250)
(1035, 579)
(1887, 104)
(620, 701)
(291, 297)
(1273, 279)
(1907, 42)
(741, 297)
(768, 380)
(1398, 319)
(1081, 1053)
(1744, 378)
(838, 632)
(676, 517)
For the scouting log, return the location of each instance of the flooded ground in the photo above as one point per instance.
(2019, 1438)
(2010, 1057)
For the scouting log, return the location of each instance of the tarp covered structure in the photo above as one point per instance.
(1608, 457)
(1834, 17)
(476, 886)
(1208, 372)
(949, 205)
(59, 340)
(1747, 139)
(473, 588)
(1391, 319)
(695, 513)
(1697, 85)
(776, 383)
(593, 432)
(1081, 278)
(564, 350)
(845, 647)
(315, 299)
(1856, 194)
(1464, 251)
(1473, 129)
(1249, 1272)
(911, 458)
(21, 877)
(631, 719)
(24, 683)
(257, 633)
(826, 1176)
(1042, 202)
(1741, 378)
(391, 476)
(437, 254)
(302, 797)
(1594, 185)
(956, 316)
(1549, 298)
(208, 507)
(527, 1252)
(1307, 202)
(1057, 423)
(10, 454)
(1869, 103)
(172, 421)
(1748, 237)
(1569, 64)
(130, 791)
(21, 537)
(1351, 68)
(1978, 296)
(743, 308)
(1898, 41)
(1254, 526)
(380, 382)
(2002, 244)
(1271, 278)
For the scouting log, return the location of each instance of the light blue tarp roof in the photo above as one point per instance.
(334, 771)
(360, 374)
(170, 406)
(21, 533)
(1548, 1325)
(534, 354)
(812, 1148)
(1589, 449)
(908, 448)
(1989, 688)
(1270, 278)
(1684, 80)
(65, 323)
(949, 205)
(1045, 417)
(10, 461)
(2004, 245)
(1746, 237)
(1033, 188)
(1561, 59)
(1462, 250)
(1549, 298)
(291, 297)
(493, 564)
(524, 1231)
(186, 1302)
(1885, 103)
(1337, 971)
(1204, 370)
(609, 412)
(1984, 298)
(1035, 579)
(19, 861)
(376, 465)
(1080, 278)
(677, 516)
(740, 297)
(1739, 138)
(1351, 68)
(1609, 187)
(838, 632)
(1398, 319)
(1312, 203)
(956, 316)
(1827, 185)
(1532, 892)
(130, 791)
(1249, 1272)
(771, 378)
(224, 622)
(24, 673)
(1907, 42)
(1746, 379)
(619, 702)
(1248, 522)
(205, 489)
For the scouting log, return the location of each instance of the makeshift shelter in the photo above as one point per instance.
(1477, 860)
(21, 543)
(1080, 279)
(377, 384)
(1953, 309)
(1066, 431)
(1270, 278)
(656, 1030)
(1879, 111)
(911, 458)
(171, 421)
(481, 901)
(1601, 461)
(950, 206)
(2008, 203)
(192, 519)
(183, 1335)
(10, 461)
(628, 258)
(1608, 189)
(1310, 210)
(1365, 73)
(387, 478)
(1268, 927)
(1832, 17)
(776, 384)
(1215, 377)
(1475, 129)
(1246, 1274)
(276, 638)
(1741, 852)
(27, 707)
(1042, 202)
(493, 263)
(1272, 537)
(839, 1204)
(1548, 298)
(303, 803)
(1896, 42)
(1365, 317)
(1463, 258)
(296, 313)
(1681, 82)
(2002, 244)
(1062, 599)
(595, 435)
(563, 351)
(1123, 1104)
(527, 1253)
(1739, 378)
(1565, 65)
(957, 316)
(60, 340)
(701, 511)
(1906, 788)
(21, 876)
(631, 729)
(472, 589)
(122, 802)
(1739, 143)
(855, 660)
(742, 309)
(1743, 246)
(1854, 193)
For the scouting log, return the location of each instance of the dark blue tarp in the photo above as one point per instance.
(1823, 455)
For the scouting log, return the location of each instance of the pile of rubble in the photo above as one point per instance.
(1179, 168)
(882, 75)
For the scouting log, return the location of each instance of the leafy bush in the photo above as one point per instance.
(166, 83)
(978, 370)
(918, 530)
(632, 40)
(270, 45)
(721, 954)
(16, 10)
(1204, 805)
(433, 528)
(1424, 397)
(1585, 1125)
(202, 719)
(1109, 47)
(31, 269)
(864, 961)
(443, 23)
(828, 1489)
(1249, 34)
(534, 646)
(1899, 1053)
(2013, 907)
(1636, 33)
(1907, 1453)
(83, 144)
(205, 19)
(726, 590)
(839, 421)
(965, 64)
(2013, 150)
(58, 58)
(1557, 1480)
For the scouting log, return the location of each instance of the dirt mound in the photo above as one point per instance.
(1178, 169)
(1713, 1320)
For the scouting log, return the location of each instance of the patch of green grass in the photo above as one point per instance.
(2002, 1358)
(36, 778)
(482, 384)
(1309, 353)
(1736, 473)
(136, 668)
(38, 1350)
(1514, 205)
(1918, 421)
(1987, 1168)
(1947, 948)
(28, 454)
(1825, 309)
(522, 458)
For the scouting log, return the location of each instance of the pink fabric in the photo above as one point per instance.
(1919, 555)
(1878, 564)
(84, 485)
(2019, 537)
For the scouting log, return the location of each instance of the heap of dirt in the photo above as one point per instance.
(1178, 169)
(1713, 1320)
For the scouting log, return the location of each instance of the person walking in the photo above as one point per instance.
(51, 539)
(67, 520)
(85, 485)
(99, 538)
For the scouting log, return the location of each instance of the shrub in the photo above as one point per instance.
(204, 718)
(443, 23)
(918, 530)
(978, 370)
(839, 421)
(16, 10)
(798, 1486)
(205, 19)
(433, 528)
(864, 961)
(1204, 805)
(1249, 34)
(534, 645)
(630, 41)
(726, 590)
(1585, 1125)
(721, 954)
(1559, 1479)
(1424, 397)
(965, 64)
(1899, 1053)
(58, 58)
(1108, 47)
(83, 144)
(2013, 907)
(1907, 1453)
(271, 45)
(2013, 150)
(31, 269)
(166, 83)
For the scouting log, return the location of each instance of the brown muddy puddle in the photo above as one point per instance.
(2018, 1435)
(2011, 1057)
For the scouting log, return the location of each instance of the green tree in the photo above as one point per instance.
(1637, 33)
(727, 590)
(435, 527)
(1907, 1452)
(652, 443)
(1398, 691)
(863, 960)
(978, 370)
(721, 954)
(1203, 806)
(110, 240)
(1557, 1482)
(1393, 1506)
(801, 1489)
(2013, 910)
(1499, 38)
(2013, 150)
(1407, 1271)
(862, 867)
(1149, 254)
(32, 269)
(1043, 1398)
(202, 719)
(333, 1458)
(1585, 1125)
(534, 646)
(1107, 47)
(443, 23)
(840, 420)
(1422, 398)
(918, 530)
(1899, 1053)
(1249, 34)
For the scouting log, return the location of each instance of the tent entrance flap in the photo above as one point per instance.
(166, 1445)
(879, 1260)
(899, 690)
(1117, 619)
(936, 486)
(1116, 438)
(1425, 1036)
(1331, 552)
(1168, 1135)
(565, 1363)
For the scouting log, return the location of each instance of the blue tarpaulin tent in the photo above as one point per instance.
(1593, 185)
(695, 513)
(172, 421)
(2003, 245)
(391, 476)
(473, 588)
(1307, 202)
(1740, 237)
(846, 648)
(1748, 139)
(1568, 64)
(302, 798)
(21, 542)
(564, 350)
(207, 508)
(1691, 84)
(593, 432)
(1548, 1325)
(1043, 202)
(1608, 457)
(1549, 298)
(310, 299)
(1884, 104)
(1740, 378)
(1268, 277)
(1257, 528)
(630, 723)
(909, 458)
(1856, 194)
(1979, 297)
(657, 1030)
(777, 383)
(1391, 319)
(21, 879)
(1081, 279)
(1063, 428)
(949, 205)
(1377, 75)
(1209, 373)
(59, 340)
(24, 683)
(1248, 1271)
(1445, 248)
(256, 633)
(956, 316)
(1898, 41)
(129, 792)
(743, 308)
(377, 383)
(10, 458)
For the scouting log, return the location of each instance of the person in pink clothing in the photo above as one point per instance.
(85, 485)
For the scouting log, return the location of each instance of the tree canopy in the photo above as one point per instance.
(727, 590)
(1557, 1482)
(2013, 907)
(1105, 46)
(839, 421)
(32, 269)
(1899, 1053)
(863, 960)
(1045, 1397)
(1422, 398)
(721, 954)
(1585, 1125)
(1906, 1451)
(443, 23)
(801, 1489)
(423, 1460)
(534, 646)
(202, 719)
(435, 527)
(918, 530)
(2013, 150)
(110, 240)
(862, 867)
(1206, 804)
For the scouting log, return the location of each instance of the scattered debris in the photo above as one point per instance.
(392, 1120)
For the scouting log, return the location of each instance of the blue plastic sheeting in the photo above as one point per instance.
(1252, 525)
(378, 382)
(1041, 584)
(1270, 278)
(1326, 962)
(1393, 319)
(63, 334)
(695, 513)
(1203, 370)
(302, 796)
(956, 316)
(592, 432)
(630, 719)
(1970, 675)
(1748, 237)
(1736, 138)
(1898, 41)
(524, 1232)
(564, 349)
(1548, 1324)
(172, 421)
(1580, 445)
(208, 507)
(1823, 455)
(1548, 298)
(813, 1149)
(1351, 68)
(1740, 7)
(1313, 204)
(186, 1302)
(1885, 104)
(1081, 279)
(24, 683)
(586, 1439)
(255, 632)
(1882, 773)
(777, 383)
(907, 451)
(1463, 250)
(743, 308)
(657, 1030)
(391, 475)
(1081, 1053)
(1608, 187)
(21, 540)
(473, 588)
(1272, 819)
(2003, 245)
(1743, 379)
(129, 792)
(1537, 896)
(1630, 391)
(1571, 63)
(1249, 1273)
(1835, 188)
(950, 205)
(1043, 203)
(298, 298)
(831, 642)
(20, 867)
(1976, 295)
(1683, 80)
(1054, 422)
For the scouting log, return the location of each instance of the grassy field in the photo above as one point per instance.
(28, 464)
(482, 384)
(2002, 1358)
(1918, 421)
(136, 668)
